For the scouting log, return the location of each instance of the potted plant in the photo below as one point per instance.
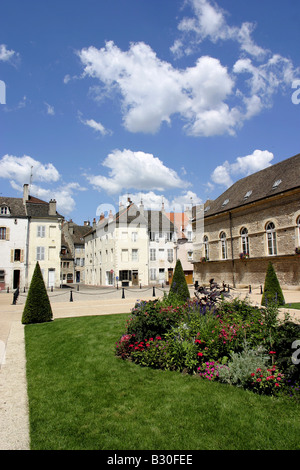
(244, 255)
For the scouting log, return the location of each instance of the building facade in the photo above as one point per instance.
(30, 231)
(255, 221)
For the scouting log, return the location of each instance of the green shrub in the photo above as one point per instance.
(152, 318)
(272, 290)
(242, 365)
(37, 306)
(179, 285)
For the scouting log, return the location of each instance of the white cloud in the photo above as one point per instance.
(153, 201)
(242, 166)
(97, 126)
(20, 168)
(50, 109)
(135, 170)
(6, 54)
(209, 22)
(153, 91)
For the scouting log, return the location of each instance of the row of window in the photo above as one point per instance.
(270, 230)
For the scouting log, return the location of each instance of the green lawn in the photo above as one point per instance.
(294, 305)
(81, 396)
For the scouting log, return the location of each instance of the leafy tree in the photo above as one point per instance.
(272, 290)
(37, 307)
(179, 285)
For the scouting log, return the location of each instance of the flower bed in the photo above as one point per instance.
(233, 343)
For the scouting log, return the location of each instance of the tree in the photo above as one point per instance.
(179, 285)
(272, 290)
(37, 306)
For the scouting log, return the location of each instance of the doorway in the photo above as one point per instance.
(16, 279)
(51, 277)
(135, 278)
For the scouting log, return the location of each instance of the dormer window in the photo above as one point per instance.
(4, 210)
(248, 194)
(276, 184)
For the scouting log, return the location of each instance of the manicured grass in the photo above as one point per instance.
(294, 305)
(81, 396)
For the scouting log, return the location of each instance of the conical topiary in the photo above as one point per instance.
(272, 290)
(37, 306)
(179, 285)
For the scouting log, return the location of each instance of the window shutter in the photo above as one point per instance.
(7, 233)
(11, 256)
(22, 256)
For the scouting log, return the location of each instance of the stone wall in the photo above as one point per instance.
(283, 211)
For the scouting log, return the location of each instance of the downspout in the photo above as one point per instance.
(27, 254)
(232, 256)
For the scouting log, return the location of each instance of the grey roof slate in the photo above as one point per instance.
(275, 179)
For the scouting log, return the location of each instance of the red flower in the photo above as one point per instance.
(200, 354)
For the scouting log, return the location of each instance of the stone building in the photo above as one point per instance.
(255, 221)
(30, 231)
(73, 252)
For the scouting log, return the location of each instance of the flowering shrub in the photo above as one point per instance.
(210, 370)
(233, 343)
(123, 348)
(267, 382)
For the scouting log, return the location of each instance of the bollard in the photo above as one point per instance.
(140, 285)
(228, 288)
(153, 293)
(261, 291)
(250, 290)
(123, 293)
(51, 288)
(77, 287)
(71, 296)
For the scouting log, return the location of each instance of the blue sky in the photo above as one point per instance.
(172, 99)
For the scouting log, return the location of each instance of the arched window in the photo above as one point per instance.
(223, 245)
(271, 238)
(245, 241)
(206, 247)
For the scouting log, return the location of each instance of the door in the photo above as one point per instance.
(16, 280)
(135, 278)
(51, 277)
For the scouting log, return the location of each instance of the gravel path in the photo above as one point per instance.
(14, 418)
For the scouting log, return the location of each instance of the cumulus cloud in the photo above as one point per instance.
(5, 54)
(153, 91)
(135, 170)
(20, 168)
(209, 22)
(154, 201)
(243, 166)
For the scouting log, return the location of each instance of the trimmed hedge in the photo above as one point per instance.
(179, 285)
(272, 290)
(37, 307)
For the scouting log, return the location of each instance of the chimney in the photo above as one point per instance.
(52, 207)
(86, 223)
(141, 207)
(110, 215)
(25, 193)
(71, 227)
(94, 223)
(102, 216)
